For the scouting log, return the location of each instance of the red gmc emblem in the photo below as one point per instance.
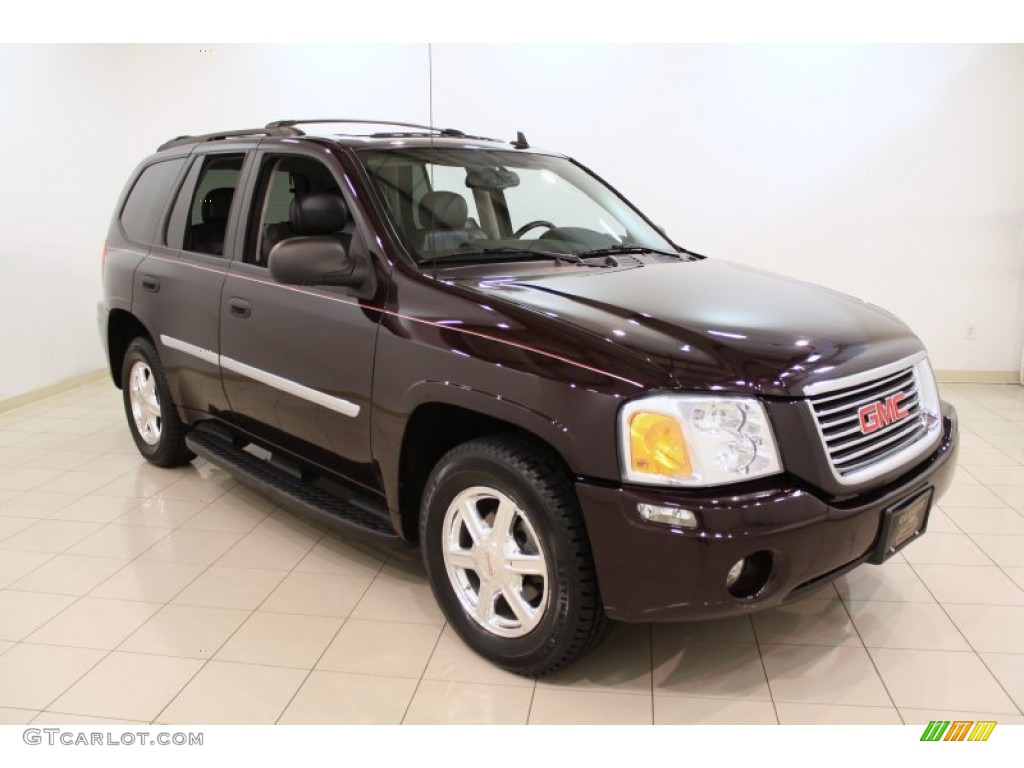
(881, 414)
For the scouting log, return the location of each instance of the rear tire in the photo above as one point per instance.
(508, 557)
(152, 417)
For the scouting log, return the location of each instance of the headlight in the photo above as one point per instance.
(696, 440)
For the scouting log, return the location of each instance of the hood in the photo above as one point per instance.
(716, 325)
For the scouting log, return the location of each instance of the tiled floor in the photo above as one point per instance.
(131, 593)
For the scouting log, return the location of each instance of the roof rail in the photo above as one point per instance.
(292, 123)
(270, 130)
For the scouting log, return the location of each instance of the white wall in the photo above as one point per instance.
(893, 173)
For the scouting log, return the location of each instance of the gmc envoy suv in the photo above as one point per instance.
(480, 348)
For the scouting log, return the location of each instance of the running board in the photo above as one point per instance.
(290, 492)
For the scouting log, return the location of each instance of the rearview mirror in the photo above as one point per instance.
(320, 260)
(482, 177)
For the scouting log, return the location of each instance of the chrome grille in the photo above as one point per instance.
(838, 415)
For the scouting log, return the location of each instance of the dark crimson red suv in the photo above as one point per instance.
(482, 348)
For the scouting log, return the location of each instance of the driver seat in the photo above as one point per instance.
(445, 216)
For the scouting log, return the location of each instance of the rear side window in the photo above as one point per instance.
(145, 203)
(199, 220)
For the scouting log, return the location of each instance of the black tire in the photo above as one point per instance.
(160, 440)
(567, 619)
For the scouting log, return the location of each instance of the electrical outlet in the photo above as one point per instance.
(971, 331)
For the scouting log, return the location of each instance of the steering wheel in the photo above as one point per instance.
(531, 225)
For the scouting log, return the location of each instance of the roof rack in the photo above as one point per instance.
(270, 130)
(429, 128)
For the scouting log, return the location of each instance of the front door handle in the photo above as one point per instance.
(151, 283)
(239, 307)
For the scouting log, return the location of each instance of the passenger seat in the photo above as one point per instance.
(208, 237)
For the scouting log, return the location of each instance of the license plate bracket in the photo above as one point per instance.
(902, 523)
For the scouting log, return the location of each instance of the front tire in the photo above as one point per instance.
(508, 557)
(152, 418)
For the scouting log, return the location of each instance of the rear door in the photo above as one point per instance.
(298, 361)
(178, 287)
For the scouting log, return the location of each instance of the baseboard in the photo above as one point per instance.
(53, 389)
(978, 377)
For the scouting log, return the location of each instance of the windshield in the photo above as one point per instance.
(450, 204)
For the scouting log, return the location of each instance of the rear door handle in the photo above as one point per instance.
(151, 283)
(239, 307)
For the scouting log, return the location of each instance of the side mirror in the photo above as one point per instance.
(319, 260)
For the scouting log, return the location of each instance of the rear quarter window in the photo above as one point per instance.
(141, 212)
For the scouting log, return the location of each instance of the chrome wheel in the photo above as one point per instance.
(495, 562)
(145, 403)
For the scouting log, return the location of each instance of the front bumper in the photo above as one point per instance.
(653, 572)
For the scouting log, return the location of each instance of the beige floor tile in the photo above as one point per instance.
(941, 680)
(335, 698)
(711, 669)
(197, 547)
(381, 648)
(148, 581)
(906, 625)
(113, 462)
(185, 630)
(59, 718)
(77, 482)
(622, 663)
(984, 457)
(36, 504)
(69, 574)
(228, 519)
(245, 498)
(94, 623)
(49, 536)
(22, 613)
(129, 685)
(95, 509)
(560, 706)
(806, 622)
(19, 455)
(449, 703)
(812, 674)
(1008, 669)
(277, 542)
(283, 640)
(10, 716)
(136, 485)
(830, 714)
(31, 676)
(192, 488)
(1017, 574)
(26, 477)
(331, 555)
(454, 661)
(1012, 494)
(969, 496)
(317, 594)
(994, 521)
(11, 525)
(14, 565)
(921, 717)
(945, 549)
(682, 710)
(5, 645)
(399, 595)
(1000, 476)
(939, 521)
(974, 584)
(1006, 551)
(991, 628)
(243, 694)
(734, 630)
(119, 541)
(65, 460)
(897, 582)
(230, 588)
(160, 513)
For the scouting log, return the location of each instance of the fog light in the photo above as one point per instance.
(734, 572)
(667, 515)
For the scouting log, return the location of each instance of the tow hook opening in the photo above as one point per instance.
(747, 577)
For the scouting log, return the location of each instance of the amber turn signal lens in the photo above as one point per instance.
(657, 446)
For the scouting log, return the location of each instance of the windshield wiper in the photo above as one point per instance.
(615, 250)
(460, 257)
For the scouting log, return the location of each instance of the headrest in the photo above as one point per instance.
(217, 204)
(444, 210)
(319, 214)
